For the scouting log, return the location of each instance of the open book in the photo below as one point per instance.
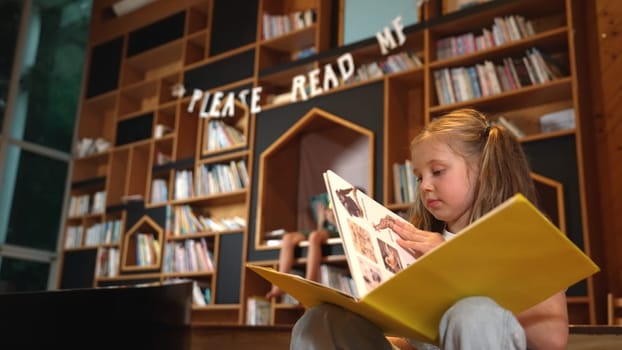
(513, 254)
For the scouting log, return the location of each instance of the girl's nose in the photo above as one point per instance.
(424, 184)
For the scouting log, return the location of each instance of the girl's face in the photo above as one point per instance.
(446, 186)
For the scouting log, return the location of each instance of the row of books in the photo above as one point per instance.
(159, 191)
(391, 64)
(222, 177)
(458, 84)
(504, 30)
(404, 182)
(211, 179)
(303, 53)
(147, 249)
(87, 204)
(190, 255)
(73, 236)
(277, 25)
(184, 184)
(222, 135)
(258, 311)
(201, 295)
(338, 278)
(181, 220)
(106, 232)
(107, 262)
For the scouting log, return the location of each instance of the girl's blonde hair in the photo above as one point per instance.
(492, 153)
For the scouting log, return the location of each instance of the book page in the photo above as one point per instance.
(370, 245)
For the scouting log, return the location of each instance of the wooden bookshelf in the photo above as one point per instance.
(127, 99)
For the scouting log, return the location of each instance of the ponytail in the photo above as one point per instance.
(504, 171)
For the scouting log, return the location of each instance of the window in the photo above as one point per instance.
(38, 114)
(362, 19)
(10, 12)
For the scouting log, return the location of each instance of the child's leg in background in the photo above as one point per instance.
(286, 257)
(314, 254)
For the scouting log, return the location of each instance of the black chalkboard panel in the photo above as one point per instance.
(78, 269)
(135, 129)
(229, 269)
(556, 159)
(156, 34)
(236, 18)
(221, 72)
(104, 67)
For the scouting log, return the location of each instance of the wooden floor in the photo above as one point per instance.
(277, 338)
(595, 337)
(240, 337)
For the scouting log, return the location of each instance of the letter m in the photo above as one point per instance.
(386, 39)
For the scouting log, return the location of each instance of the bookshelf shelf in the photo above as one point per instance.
(556, 90)
(292, 41)
(555, 40)
(153, 64)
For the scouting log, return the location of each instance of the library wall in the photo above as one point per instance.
(136, 62)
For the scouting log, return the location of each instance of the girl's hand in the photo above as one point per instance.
(415, 240)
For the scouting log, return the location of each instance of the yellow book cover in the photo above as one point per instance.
(513, 255)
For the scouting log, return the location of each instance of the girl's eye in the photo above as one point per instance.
(437, 172)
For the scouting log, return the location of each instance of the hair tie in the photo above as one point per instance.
(487, 131)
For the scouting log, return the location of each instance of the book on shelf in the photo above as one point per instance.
(258, 311)
(73, 236)
(87, 146)
(160, 130)
(162, 158)
(107, 262)
(559, 120)
(514, 239)
(511, 127)
(198, 297)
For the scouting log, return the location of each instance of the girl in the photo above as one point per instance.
(465, 167)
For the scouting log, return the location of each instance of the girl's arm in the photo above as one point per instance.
(546, 324)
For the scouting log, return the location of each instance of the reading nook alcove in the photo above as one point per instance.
(290, 170)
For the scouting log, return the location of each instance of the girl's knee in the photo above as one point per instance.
(290, 240)
(472, 311)
(317, 237)
(328, 326)
(480, 320)
(472, 305)
(320, 321)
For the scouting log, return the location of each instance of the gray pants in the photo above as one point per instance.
(473, 323)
